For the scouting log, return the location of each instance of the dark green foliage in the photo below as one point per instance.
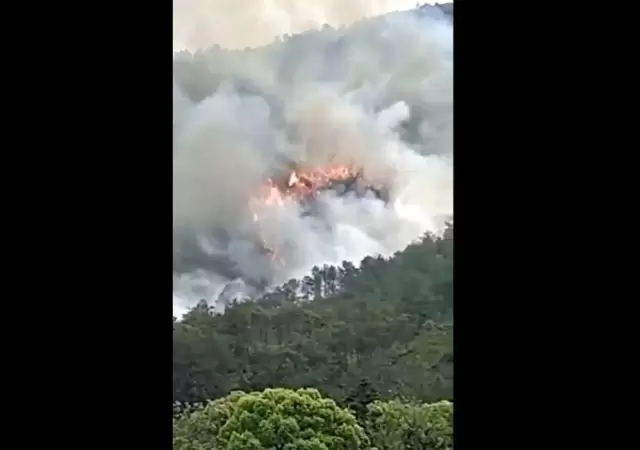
(361, 397)
(356, 334)
(365, 336)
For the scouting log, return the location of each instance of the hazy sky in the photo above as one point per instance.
(241, 23)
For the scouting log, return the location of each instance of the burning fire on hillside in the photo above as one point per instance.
(299, 186)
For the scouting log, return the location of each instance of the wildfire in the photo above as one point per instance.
(299, 186)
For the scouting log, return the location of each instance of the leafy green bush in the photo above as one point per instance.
(279, 419)
(397, 425)
(197, 428)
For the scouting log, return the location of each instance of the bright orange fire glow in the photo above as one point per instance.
(301, 185)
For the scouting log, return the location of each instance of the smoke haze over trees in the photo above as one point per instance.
(376, 95)
(236, 24)
(326, 323)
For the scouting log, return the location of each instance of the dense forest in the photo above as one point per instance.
(383, 330)
(358, 356)
(363, 336)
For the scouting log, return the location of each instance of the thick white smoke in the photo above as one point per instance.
(251, 23)
(378, 94)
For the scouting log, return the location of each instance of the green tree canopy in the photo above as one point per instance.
(279, 419)
(384, 328)
(397, 425)
(197, 427)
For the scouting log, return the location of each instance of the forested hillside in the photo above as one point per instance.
(382, 330)
(357, 356)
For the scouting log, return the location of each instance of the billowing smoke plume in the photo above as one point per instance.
(377, 96)
(251, 23)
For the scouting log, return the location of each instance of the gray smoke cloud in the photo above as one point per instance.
(251, 23)
(378, 95)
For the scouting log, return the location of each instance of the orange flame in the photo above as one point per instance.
(301, 185)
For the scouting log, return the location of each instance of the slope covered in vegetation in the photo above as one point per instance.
(368, 345)
(381, 330)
